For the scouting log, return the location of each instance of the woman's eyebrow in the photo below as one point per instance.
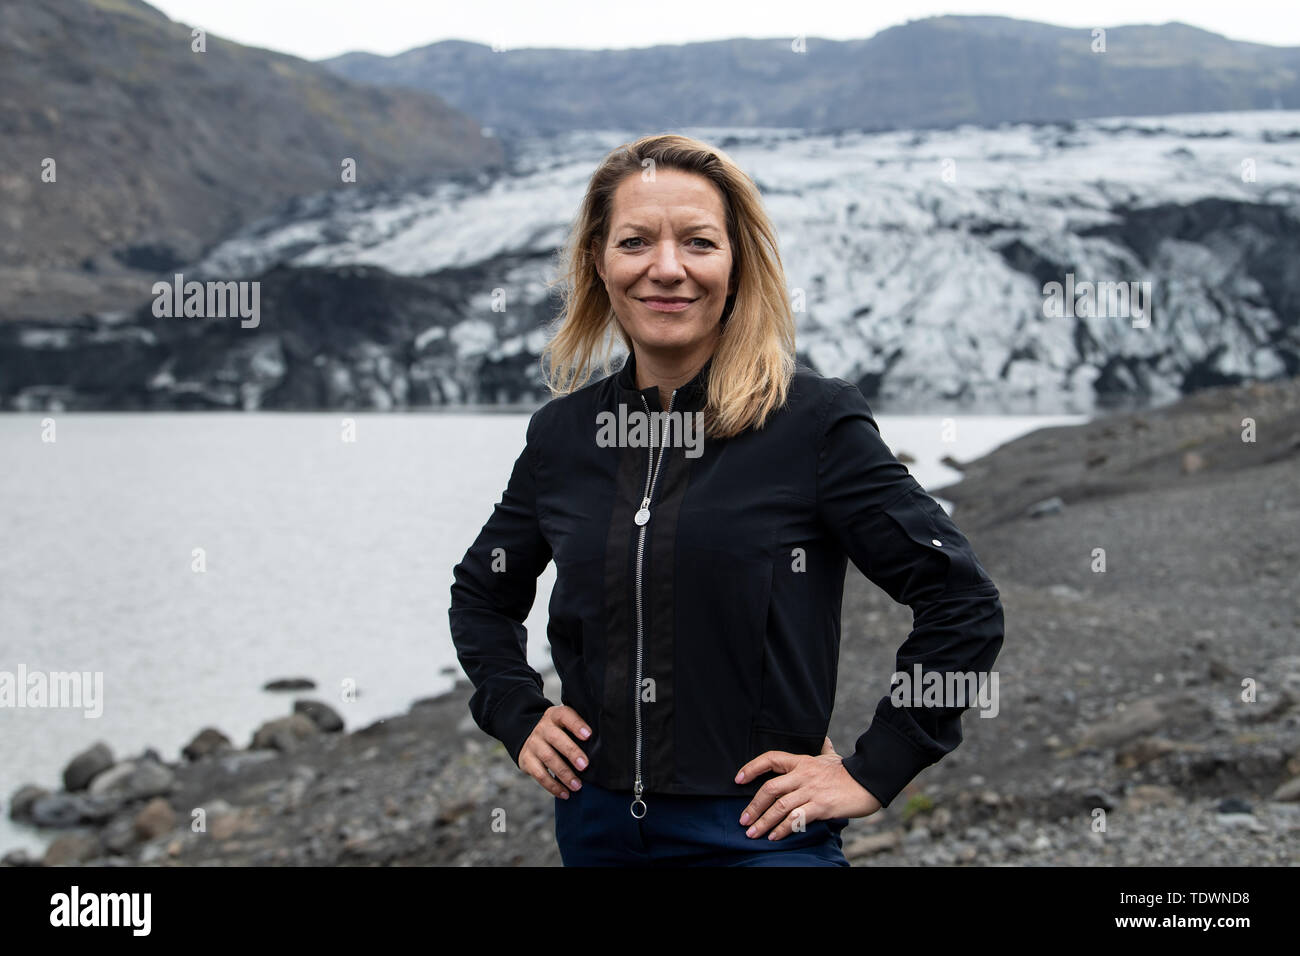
(690, 227)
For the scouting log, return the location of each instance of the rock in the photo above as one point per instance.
(324, 716)
(1142, 717)
(135, 780)
(20, 804)
(119, 835)
(1233, 805)
(19, 857)
(1192, 463)
(72, 848)
(951, 462)
(917, 836)
(206, 743)
(1065, 592)
(940, 820)
(1288, 791)
(236, 762)
(1149, 795)
(83, 767)
(1146, 749)
(290, 683)
(283, 734)
(156, 818)
(1048, 506)
(1095, 797)
(70, 809)
(150, 779)
(113, 777)
(1242, 821)
(223, 826)
(874, 843)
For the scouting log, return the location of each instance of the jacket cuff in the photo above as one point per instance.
(885, 762)
(515, 717)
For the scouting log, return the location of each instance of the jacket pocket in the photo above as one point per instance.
(940, 542)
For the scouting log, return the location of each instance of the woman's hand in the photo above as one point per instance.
(550, 750)
(807, 788)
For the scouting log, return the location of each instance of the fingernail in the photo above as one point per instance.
(582, 764)
(740, 777)
(574, 784)
(750, 831)
(564, 795)
(585, 732)
(744, 818)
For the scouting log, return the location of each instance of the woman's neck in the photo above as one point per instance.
(669, 372)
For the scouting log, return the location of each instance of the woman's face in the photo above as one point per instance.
(667, 241)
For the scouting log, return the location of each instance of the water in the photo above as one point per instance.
(324, 558)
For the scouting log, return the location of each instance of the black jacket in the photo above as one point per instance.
(742, 566)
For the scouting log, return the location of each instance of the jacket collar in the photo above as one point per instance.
(687, 395)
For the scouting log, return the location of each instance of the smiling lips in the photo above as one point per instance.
(667, 304)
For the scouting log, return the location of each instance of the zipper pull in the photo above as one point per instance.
(637, 799)
(643, 515)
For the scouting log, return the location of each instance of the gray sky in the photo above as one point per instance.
(321, 28)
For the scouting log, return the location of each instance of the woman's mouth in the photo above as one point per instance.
(667, 305)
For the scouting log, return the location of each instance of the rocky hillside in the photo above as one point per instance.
(160, 150)
(939, 71)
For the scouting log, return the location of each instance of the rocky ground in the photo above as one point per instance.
(1148, 711)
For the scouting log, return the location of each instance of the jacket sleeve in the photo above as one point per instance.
(492, 593)
(904, 542)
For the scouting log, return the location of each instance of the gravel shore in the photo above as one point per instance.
(1147, 716)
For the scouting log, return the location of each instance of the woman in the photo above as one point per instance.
(700, 506)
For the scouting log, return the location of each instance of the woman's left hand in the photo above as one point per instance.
(808, 788)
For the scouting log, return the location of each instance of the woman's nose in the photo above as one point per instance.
(665, 261)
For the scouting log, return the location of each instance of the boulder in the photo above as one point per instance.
(85, 766)
(290, 683)
(283, 734)
(324, 716)
(156, 818)
(69, 849)
(20, 804)
(209, 741)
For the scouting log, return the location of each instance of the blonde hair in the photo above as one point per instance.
(754, 359)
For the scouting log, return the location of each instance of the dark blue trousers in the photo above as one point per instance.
(594, 827)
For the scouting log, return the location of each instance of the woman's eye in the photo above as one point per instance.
(624, 243)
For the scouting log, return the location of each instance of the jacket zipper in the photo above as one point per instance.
(642, 519)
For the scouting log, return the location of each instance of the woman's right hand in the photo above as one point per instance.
(550, 750)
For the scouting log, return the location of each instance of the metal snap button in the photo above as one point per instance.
(936, 542)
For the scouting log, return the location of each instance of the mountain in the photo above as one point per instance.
(935, 72)
(160, 150)
(922, 264)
